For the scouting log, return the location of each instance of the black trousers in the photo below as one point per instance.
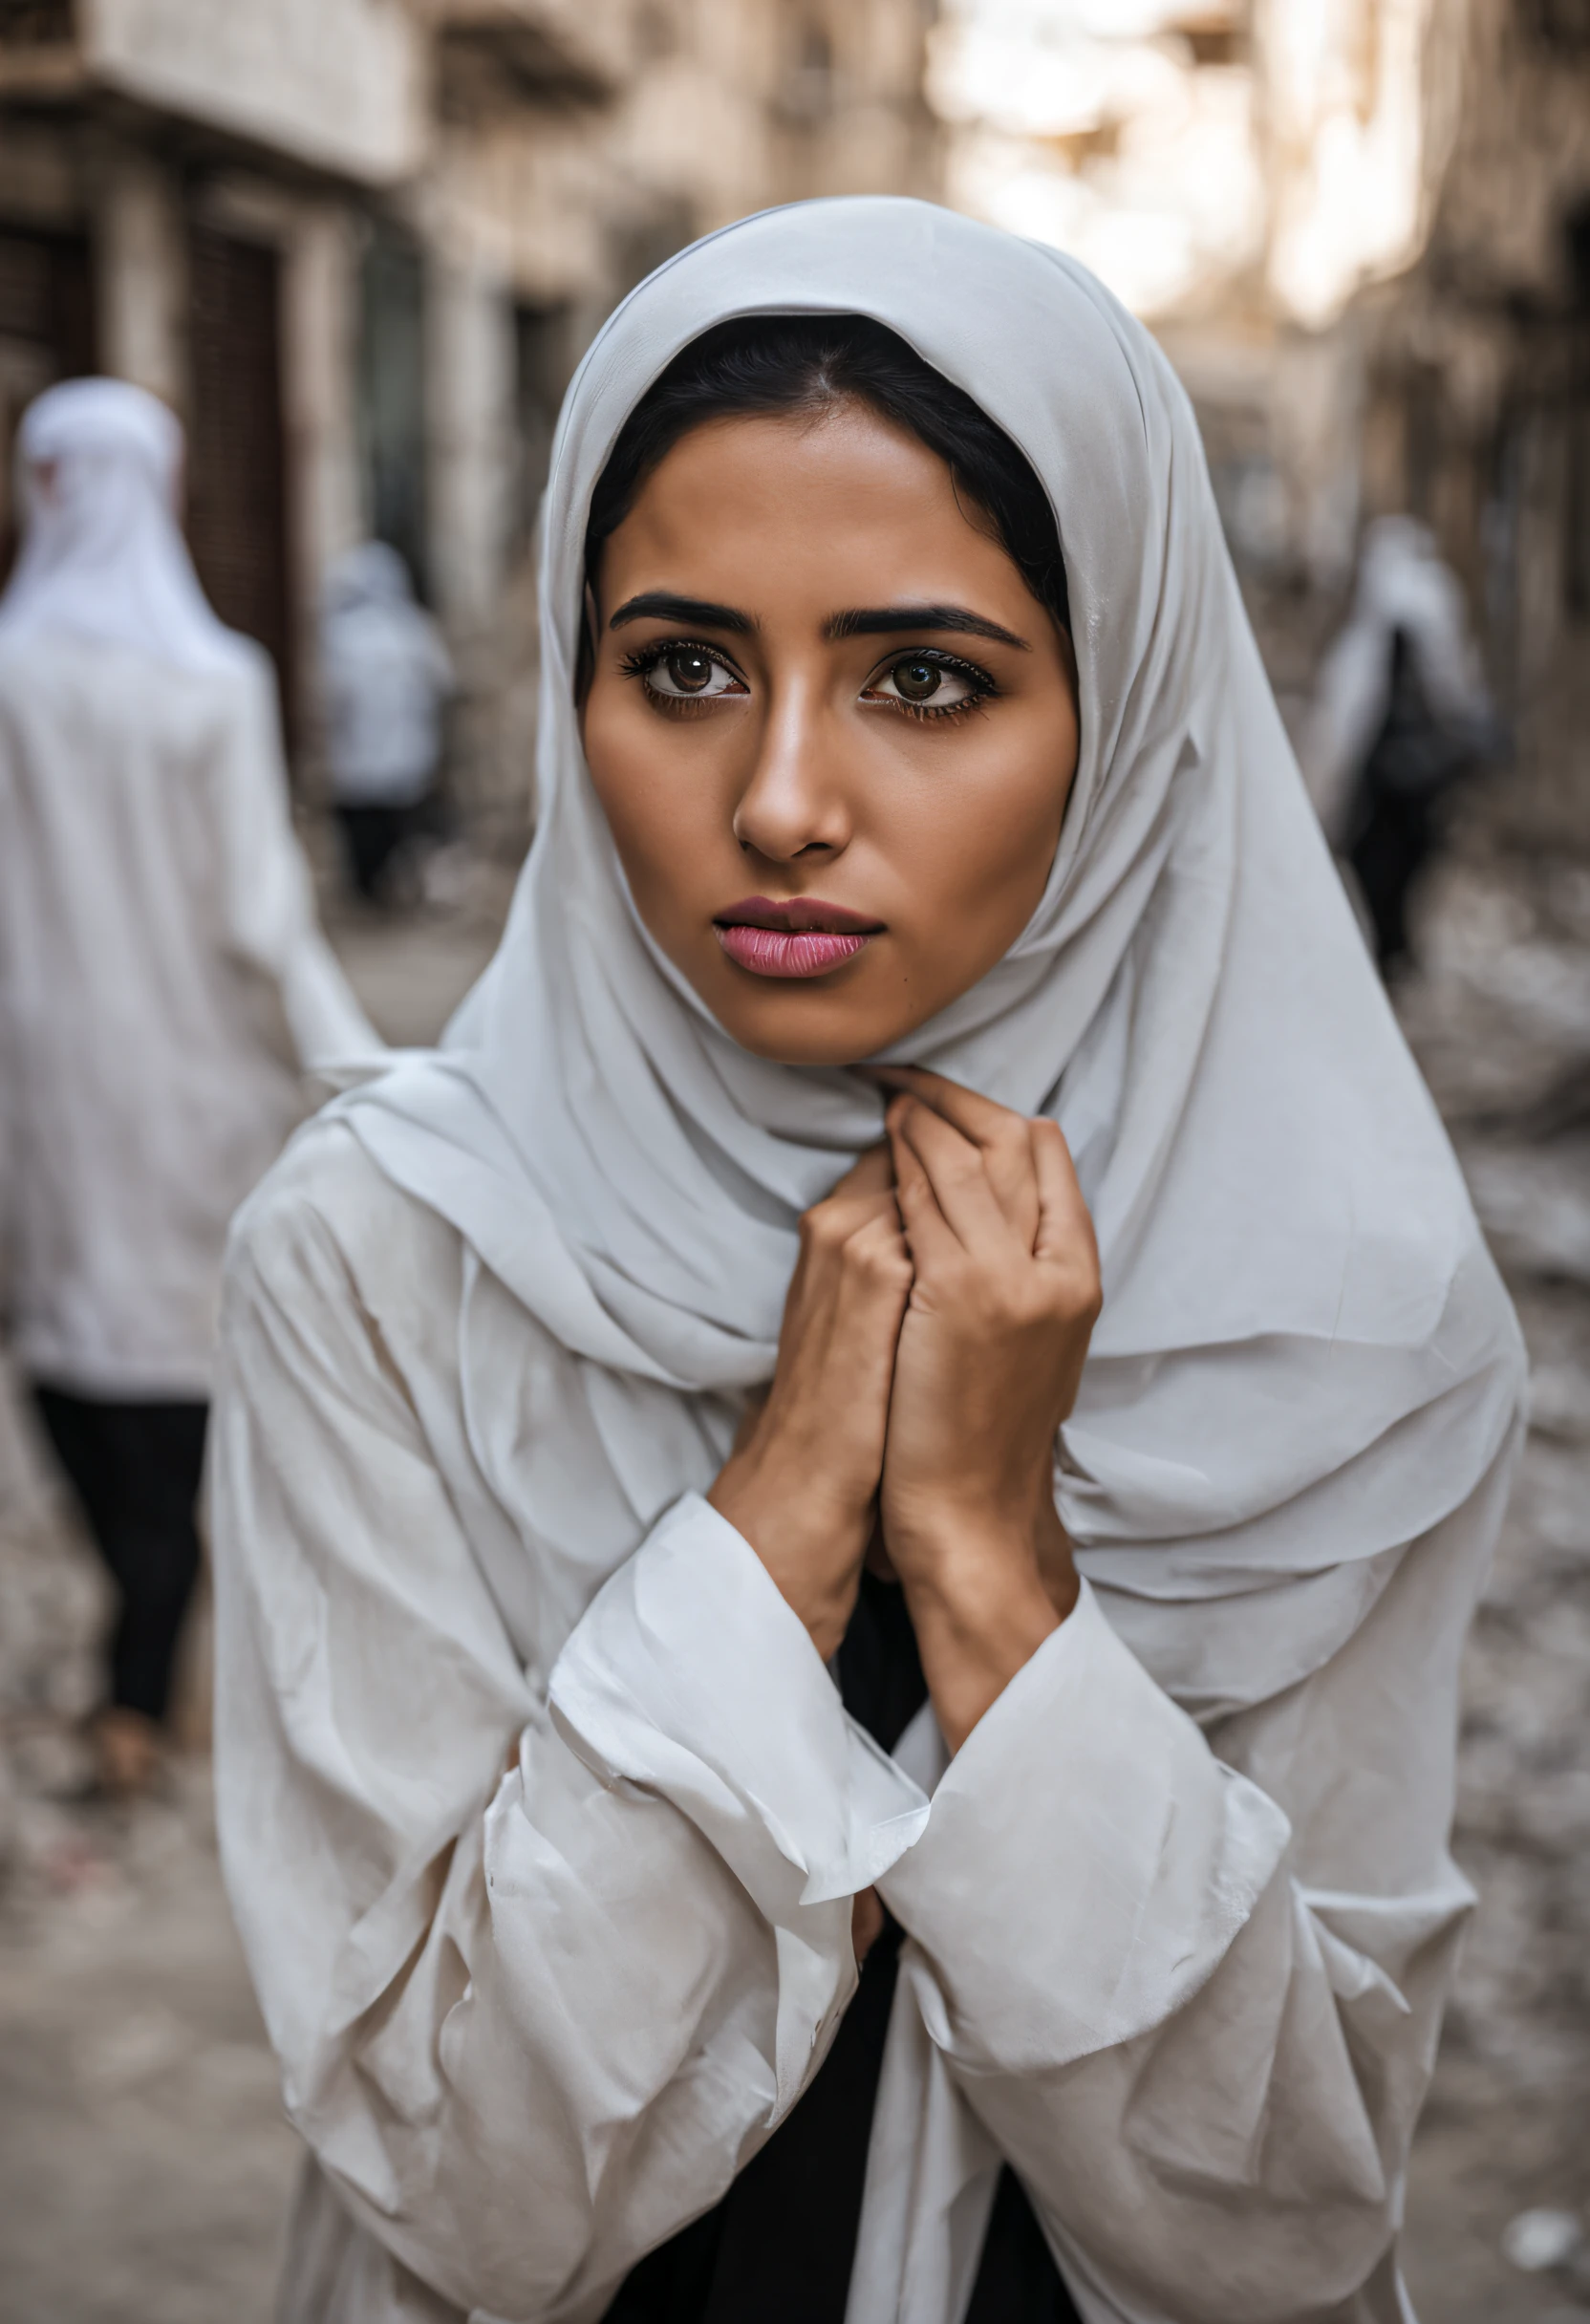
(371, 836)
(134, 1469)
(1395, 840)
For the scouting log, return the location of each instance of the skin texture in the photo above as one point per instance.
(939, 1314)
(792, 783)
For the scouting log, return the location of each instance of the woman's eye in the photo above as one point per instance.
(921, 683)
(685, 674)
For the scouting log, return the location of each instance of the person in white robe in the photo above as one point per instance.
(542, 1816)
(1400, 712)
(385, 677)
(162, 978)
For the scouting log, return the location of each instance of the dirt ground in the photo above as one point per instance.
(144, 2165)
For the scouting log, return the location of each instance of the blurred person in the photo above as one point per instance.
(385, 677)
(161, 978)
(1400, 712)
(774, 1761)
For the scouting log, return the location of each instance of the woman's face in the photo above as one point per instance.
(831, 730)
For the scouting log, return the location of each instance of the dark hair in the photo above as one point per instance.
(769, 363)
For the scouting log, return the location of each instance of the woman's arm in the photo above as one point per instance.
(1190, 1985)
(1193, 1986)
(1005, 1296)
(267, 896)
(540, 1983)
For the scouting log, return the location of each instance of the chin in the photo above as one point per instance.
(792, 1032)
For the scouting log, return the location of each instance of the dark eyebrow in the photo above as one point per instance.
(697, 613)
(883, 620)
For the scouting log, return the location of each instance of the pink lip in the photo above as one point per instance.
(788, 952)
(800, 937)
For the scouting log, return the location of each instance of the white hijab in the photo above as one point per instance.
(1305, 1357)
(99, 469)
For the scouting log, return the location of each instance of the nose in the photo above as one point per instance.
(793, 804)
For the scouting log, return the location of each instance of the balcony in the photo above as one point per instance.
(339, 85)
(497, 54)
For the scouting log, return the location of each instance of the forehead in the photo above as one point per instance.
(793, 494)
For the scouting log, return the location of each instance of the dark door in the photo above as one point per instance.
(392, 393)
(237, 467)
(46, 335)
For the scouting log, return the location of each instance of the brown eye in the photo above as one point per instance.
(683, 674)
(916, 681)
(932, 684)
(690, 672)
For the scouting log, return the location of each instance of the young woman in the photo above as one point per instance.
(161, 977)
(587, 1705)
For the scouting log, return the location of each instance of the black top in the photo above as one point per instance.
(780, 2246)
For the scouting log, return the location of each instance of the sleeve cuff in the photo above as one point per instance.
(1087, 1862)
(690, 1676)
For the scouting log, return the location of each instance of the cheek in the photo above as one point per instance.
(975, 860)
(655, 820)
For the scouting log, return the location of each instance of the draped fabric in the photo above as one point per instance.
(99, 469)
(541, 1820)
(162, 969)
(1305, 1358)
(781, 2246)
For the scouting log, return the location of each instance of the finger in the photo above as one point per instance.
(927, 1232)
(1000, 1133)
(981, 1119)
(872, 1173)
(957, 1172)
(877, 1253)
(1065, 1235)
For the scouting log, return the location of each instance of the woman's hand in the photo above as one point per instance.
(1004, 1298)
(802, 1482)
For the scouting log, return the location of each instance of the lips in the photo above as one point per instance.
(800, 937)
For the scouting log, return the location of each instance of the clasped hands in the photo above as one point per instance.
(933, 1342)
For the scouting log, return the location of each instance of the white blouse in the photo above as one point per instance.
(542, 1853)
(162, 976)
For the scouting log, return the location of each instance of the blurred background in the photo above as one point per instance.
(359, 247)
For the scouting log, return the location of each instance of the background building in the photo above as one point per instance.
(359, 246)
(1361, 229)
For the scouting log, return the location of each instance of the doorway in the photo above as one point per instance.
(46, 335)
(237, 462)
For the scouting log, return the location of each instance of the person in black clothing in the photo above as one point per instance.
(1401, 716)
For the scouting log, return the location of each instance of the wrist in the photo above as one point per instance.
(796, 1540)
(979, 1615)
(949, 1552)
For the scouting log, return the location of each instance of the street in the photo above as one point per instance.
(144, 2165)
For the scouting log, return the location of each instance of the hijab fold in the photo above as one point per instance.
(1305, 1357)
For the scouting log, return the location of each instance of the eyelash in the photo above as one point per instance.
(979, 683)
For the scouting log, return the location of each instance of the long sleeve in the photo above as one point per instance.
(1191, 1986)
(268, 898)
(540, 1982)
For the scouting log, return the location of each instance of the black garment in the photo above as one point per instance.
(373, 836)
(135, 1469)
(1412, 765)
(780, 2246)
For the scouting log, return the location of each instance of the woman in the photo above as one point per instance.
(1402, 714)
(162, 973)
(553, 1840)
(385, 674)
